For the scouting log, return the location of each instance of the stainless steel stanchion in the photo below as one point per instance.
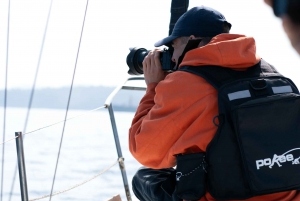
(108, 105)
(119, 152)
(21, 165)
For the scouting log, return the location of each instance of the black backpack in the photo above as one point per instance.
(256, 149)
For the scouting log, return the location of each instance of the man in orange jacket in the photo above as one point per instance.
(176, 114)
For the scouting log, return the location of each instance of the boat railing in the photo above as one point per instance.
(108, 105)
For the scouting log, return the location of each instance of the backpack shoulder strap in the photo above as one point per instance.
(218, 76)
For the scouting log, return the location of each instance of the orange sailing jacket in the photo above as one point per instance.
(176, 115)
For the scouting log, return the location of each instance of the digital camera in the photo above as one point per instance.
(136, 56)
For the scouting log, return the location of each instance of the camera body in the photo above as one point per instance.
(289, 7)
(136, 57)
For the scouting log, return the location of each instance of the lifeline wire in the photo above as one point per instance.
(63, 120)
(70, 93)
(5, 97)
(98, 108)
(77, 185)
(32, 91)
(9, 140)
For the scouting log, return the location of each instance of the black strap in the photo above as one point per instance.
(218, 76)
(178, 7)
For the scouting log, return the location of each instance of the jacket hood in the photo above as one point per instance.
(227, 50)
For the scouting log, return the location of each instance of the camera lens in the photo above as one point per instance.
(136, 57)
(135, 60)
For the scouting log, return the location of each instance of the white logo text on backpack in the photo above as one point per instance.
(279, 159)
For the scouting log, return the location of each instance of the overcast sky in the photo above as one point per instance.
(112, 27)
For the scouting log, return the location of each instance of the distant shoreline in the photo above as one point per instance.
(83, 98)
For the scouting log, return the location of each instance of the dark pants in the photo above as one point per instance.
(146, 184)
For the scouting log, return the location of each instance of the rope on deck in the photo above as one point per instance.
(80, 184)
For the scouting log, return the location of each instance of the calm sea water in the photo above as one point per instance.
(88, 147)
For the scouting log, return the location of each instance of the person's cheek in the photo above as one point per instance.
(269, 2)
(293, 32)
(289, 28)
